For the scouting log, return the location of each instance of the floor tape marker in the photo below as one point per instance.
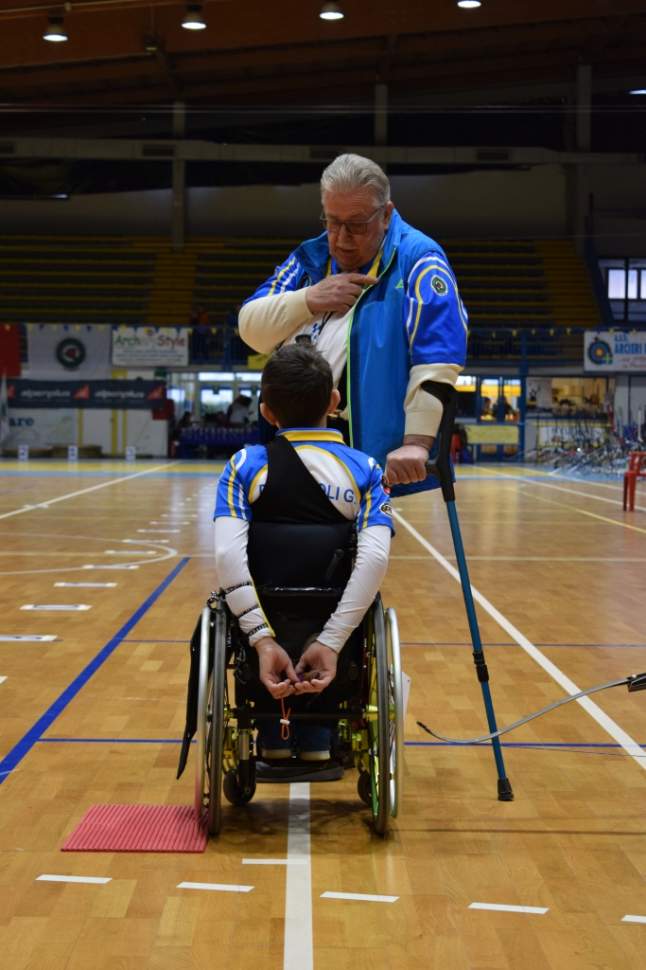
(503, 908)
(215, 887)
(360, 897)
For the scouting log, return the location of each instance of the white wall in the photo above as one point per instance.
(43, 428)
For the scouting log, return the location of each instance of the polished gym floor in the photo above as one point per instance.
(554, 879)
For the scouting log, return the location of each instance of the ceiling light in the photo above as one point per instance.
(55, 32)
(331, 11)
(469, 4)
(638, 91)
(193, 19)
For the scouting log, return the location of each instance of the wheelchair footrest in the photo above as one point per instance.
(278, 774)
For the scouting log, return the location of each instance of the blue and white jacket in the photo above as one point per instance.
(410, 322)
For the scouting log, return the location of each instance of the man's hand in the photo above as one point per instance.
(317, 667)
(336, 294)
(407, 464)
(276, 670)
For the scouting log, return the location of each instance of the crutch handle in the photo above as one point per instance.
(440, 464)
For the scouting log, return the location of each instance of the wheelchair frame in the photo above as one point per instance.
(370, 726)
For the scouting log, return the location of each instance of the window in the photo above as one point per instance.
(626, 288)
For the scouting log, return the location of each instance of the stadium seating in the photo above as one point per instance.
(141, 280)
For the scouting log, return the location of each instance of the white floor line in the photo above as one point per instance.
(299, 947)
(56, 607)
(360, 897)
(629, 745)
(93, 880)
(27, 637)
(628, 918)
(275, 862)
(88, 585)
(2, 680)
(503, 908)
(84, 491)
(574, 491)
(215, 887)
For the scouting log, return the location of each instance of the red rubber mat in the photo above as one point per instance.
(138, 828)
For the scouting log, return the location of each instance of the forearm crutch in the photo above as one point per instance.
(440, 466)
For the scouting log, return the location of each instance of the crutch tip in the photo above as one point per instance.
(505, 791)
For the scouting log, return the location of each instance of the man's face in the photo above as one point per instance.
(353, 250)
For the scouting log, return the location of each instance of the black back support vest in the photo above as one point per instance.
(297, 538)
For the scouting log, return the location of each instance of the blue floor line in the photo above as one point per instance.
(35, 733)
(516, 744)
(111, 741)
(409, 744)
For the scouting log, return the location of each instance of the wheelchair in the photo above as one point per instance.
(364, 704)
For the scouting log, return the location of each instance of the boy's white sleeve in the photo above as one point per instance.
(373, 548)
(232, 571)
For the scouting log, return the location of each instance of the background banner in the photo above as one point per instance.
(150, 346)
(128, 395)
(68, 352)
(612, 351)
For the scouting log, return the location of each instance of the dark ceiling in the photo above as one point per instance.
(504, 74)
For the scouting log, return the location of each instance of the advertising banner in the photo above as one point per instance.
(68, 352)
(616, 351)
(150, 347)
(128, 395)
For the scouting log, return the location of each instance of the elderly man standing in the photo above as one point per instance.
(379, 300)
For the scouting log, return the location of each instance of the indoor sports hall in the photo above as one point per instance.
(482, 806)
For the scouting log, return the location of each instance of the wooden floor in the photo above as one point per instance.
(558, 559)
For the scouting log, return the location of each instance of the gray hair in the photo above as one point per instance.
(348, 172)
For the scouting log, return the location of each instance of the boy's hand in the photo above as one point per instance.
(317, 668)
(276, 669)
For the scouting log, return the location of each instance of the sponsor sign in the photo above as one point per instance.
(68, 352)
(125, 395)
(150, 346)
(612, 351)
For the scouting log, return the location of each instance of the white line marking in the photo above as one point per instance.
(27, 637)
(130, 552)
(618, 502)
(2, 680)
(56, 607)
(633, 919)
(215, 887)
(298, 948)
(88, 585)
(629, 745)
(274, 862)
(93, 880)
(92, 488)
(91, 566)
(161, 532)
(502, 908)
(361, 897)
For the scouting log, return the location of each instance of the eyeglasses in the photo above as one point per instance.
(354, 228)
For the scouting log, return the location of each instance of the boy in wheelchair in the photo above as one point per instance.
(303, 511)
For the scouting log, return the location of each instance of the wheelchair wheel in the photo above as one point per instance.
(395, 711)
(378, 718)
(210, 718)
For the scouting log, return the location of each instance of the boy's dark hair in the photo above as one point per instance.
(296, 384)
